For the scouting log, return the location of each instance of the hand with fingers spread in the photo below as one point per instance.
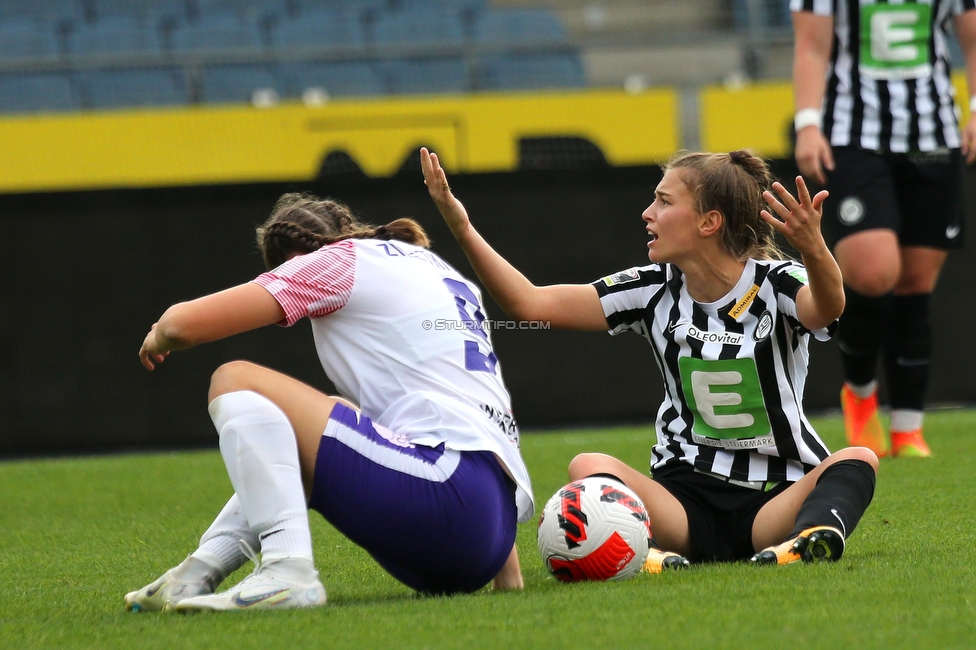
(822, 301)
(435, 178)
(799, 216)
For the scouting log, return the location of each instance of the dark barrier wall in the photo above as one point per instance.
(89, 272)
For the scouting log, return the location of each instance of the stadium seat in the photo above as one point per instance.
(53, 10)
(254, 9)
(134, 87)
(422, 76)
(24, 37)
(530, 71)
(424, 27)
(235, 83)
(356, 6)
(216, 33)
(337, 78)
(319, 30)
(519, 27)
(102, 9)
(37, 92)
(114, 35)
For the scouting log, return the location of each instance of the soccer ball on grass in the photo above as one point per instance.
(594, 529)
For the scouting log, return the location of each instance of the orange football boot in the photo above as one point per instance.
(861, 422)
(909, 444)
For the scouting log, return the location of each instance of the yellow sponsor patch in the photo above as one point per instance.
(743, 304)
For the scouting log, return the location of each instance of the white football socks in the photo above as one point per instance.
(864, 391)
(906, 421)
(261, 454)
(220, 545)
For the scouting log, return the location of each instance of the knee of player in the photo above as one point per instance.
(872, 282)
(588, 464)
(858, 453)
(229, 377)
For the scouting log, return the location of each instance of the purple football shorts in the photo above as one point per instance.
(439, 520)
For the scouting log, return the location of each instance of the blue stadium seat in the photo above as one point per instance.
(153, 9)
(114, 35)
(530, 71)
(250, 8)
(323, 28)
(356, 6)
(235, 83)
(216, 33)
(519, 27)
(427, 27)
(133, 87)
(54, 10)
(24, 37)
(429, 75)
(37, 92)
(337, 78)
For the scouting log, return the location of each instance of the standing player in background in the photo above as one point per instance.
(877, 125)
(738, 471)
(421, 468)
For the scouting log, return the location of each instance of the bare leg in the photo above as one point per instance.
(669, 522)
(776, 519)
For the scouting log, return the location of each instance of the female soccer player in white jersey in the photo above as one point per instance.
(738, 472)
(419, 463)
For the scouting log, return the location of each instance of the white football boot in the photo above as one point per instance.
(172, 587)
(287, 583)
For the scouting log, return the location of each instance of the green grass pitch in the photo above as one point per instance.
(76, 534)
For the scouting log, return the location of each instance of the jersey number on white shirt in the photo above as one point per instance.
(473, 317)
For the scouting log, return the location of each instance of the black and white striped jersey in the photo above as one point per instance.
(733, 370)
(888, 85)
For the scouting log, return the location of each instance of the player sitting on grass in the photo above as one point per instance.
(738, 472)
(421, 468)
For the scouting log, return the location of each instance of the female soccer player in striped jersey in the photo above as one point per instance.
(738, 472)
(419, 464)
(876, 124)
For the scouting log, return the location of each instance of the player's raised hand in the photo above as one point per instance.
(440, 191)
(799, 217)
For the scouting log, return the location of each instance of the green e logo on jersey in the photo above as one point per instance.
(727, 402)
(895, 40)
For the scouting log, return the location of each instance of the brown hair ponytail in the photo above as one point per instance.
(733, 185)
(302, 223)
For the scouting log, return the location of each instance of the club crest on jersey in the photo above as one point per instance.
(621, 278)
(763, 327)
(741, 306)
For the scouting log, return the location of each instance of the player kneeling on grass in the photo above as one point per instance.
(738, 472)
(421, 468)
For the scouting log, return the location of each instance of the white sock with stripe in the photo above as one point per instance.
(259, 449)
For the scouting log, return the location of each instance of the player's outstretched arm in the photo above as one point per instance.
(210, 318)
(568, 306)
(822, 301)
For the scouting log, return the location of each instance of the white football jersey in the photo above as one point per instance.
(402, 335)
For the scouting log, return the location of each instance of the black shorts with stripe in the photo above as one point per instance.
(720, 514)
(918, 195)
